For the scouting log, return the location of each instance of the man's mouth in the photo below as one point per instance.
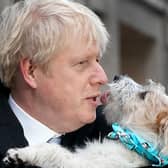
(93, 100)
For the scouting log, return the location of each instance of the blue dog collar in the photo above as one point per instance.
(135, 143)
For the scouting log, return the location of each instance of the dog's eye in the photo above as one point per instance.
(142, 95)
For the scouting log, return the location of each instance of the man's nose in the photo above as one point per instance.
(99, 76)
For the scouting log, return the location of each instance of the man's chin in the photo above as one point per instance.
(90, 119)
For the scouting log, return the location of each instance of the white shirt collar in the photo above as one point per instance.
(34, 131)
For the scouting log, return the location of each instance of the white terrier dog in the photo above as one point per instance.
(141, 113)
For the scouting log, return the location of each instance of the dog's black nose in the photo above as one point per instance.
(116, 78)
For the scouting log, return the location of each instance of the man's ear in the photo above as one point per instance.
(27, 69)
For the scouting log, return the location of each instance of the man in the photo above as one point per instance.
(49, 61)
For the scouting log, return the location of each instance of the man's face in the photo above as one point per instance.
(69, 91)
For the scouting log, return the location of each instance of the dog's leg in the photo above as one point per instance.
(45, 156)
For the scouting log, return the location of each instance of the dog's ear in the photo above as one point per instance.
(162, 128)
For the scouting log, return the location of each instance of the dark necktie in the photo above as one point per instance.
(55, 139)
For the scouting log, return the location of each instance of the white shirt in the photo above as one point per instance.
(34, 131)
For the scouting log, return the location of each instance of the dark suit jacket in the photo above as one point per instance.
(10, 129)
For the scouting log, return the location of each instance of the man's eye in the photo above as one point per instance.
(83, 62)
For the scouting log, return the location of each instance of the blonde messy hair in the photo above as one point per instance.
(39, 29)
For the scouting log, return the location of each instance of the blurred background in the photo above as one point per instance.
(138, 37)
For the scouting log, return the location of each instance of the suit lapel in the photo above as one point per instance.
(10, 129)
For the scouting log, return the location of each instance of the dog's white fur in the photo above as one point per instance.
(144, 109)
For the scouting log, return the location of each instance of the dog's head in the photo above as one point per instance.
(143, 107)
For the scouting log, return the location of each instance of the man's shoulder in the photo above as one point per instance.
(4, 91)
(11, 131)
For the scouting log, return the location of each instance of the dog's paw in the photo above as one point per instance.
(43, 155)
(12, 159)
(15, 159)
